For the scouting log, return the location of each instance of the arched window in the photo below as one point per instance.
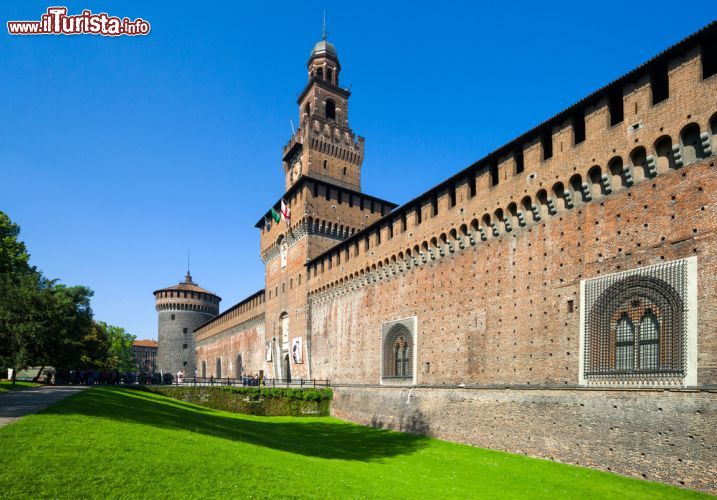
(638, 158)
(330, 75)
(691, 143)
(649, 341)
(218, 371)
(636, 326)
(663, 150)
(240, 366)
(307, 108)
(625, 344)
(204, 369)
(398, 353)
(330, 109)
(320, 73)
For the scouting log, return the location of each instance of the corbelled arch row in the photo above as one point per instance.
(665, 154)
(308, 225)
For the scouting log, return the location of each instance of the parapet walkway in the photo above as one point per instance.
(16, 404)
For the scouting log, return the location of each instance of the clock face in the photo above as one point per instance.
(296, 168)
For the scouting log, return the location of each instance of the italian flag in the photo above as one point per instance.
(275, 215)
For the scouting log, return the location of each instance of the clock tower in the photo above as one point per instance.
(324, 147)
(322, 205)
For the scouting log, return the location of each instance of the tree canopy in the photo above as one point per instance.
(44, 323)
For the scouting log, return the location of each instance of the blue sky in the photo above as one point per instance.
(118, 154)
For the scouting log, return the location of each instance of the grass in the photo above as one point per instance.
(123, 443)
(6, 385)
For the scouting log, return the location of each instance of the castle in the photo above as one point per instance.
(557, 298)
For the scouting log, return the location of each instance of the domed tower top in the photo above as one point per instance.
(188, 296)
(323, 62)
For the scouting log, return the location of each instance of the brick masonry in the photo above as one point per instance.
(487, 266)
(665, 436)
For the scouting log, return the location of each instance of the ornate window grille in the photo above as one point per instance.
(635, 325)
(398, 345)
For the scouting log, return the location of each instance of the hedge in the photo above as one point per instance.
(265, 401)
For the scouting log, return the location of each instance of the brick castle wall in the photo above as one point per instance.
(665, 436)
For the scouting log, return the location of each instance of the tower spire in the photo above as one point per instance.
(188, 277)
(324, 33)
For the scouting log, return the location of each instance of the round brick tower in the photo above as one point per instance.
(181, 309)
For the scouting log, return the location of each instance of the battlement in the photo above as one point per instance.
(241, 312)
(657, 118)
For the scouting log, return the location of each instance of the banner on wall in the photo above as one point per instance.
(268, 352)
(297, 350)
(283, 251)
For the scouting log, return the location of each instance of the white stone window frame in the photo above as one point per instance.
(690, 378)
(411, 323)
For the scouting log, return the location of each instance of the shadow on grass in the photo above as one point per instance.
(325, 439)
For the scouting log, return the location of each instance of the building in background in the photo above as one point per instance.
(181, 308)
(144, 353)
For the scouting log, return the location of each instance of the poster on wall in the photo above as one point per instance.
(268, 352)
(297, 350)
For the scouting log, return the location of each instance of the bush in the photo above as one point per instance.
(270, 401)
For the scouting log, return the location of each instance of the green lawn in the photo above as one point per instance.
(6, 385)
(109, 442)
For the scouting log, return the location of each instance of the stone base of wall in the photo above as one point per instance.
(665, 436)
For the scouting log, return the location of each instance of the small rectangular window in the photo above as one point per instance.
(184, 346)
(579, 127)
(571, 306)
(403, 222)
(184, 330)
(452, 193)
(434, 205)
(472, 184)
(709, 57)
(172, 317)
(659, 82)
(493, 170)
(615, 106)
(418, 213)
(519, 161)
(546, 141)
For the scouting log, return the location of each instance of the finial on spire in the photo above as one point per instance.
(188, 277)
(324, 33)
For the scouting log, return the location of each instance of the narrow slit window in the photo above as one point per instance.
(579, 127)
(519, 161)
(546, 141)
(660, 85)
(615, 107)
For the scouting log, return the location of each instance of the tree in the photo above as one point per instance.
(41, 322)
(120, 348)
(14, 259)
(19, 290)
